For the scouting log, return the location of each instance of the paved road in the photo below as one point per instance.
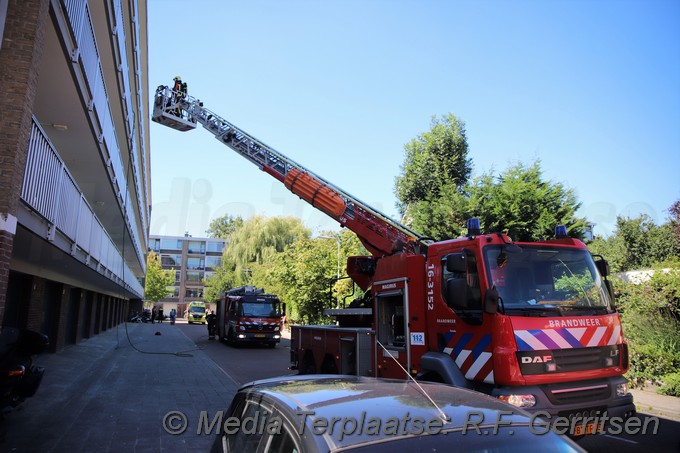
(247, 363)
(242, 363)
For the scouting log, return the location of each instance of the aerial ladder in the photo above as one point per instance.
(380, 234)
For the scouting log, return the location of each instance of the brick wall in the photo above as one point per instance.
(20, 57)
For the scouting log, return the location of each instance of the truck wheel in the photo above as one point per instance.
(308, 365)
(328, 365)
(231, 338)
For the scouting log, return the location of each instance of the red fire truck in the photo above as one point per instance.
(533, 324)
(248, 315)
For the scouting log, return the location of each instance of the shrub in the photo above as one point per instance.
(671, 385)
(659, 294)
(654, 344)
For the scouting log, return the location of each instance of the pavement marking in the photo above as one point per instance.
(623, 440)
(238, 384)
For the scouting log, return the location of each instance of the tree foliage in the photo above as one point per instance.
(250, 246)
(303, 273)
(525, 206)
(518, 202)
(675, 220)
(223, 227)
(259, 238)
(638, 244)
(157, 281)
(436, 159)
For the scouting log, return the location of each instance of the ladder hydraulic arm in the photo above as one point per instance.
(380, 234)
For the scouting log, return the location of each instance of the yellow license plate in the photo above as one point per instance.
(590, 428)
(259, 335)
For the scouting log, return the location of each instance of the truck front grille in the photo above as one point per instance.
(584, 393)
(568, 360)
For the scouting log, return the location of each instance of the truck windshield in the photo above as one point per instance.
(544, 278)
(194, 309)
(261, 309)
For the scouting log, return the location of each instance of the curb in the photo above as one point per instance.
(660, 405)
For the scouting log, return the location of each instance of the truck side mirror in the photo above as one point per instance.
(456, 262)
(602, 266)
(491, 300)
(283, 308)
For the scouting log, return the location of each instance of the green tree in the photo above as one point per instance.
(523, 205)
(259, 238)
(158, 280)
(638, 244)
(435, 159)
(674, 211)
(223, 279)
(303, 273)
(518, 202)
(250, 249)
(223, 227)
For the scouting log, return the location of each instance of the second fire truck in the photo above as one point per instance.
(249, 315)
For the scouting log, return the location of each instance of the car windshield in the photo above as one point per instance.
(545, 278)
(198, 310)
(261, 309)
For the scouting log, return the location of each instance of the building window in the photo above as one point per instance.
(215, 247)
(171, 244)
(194, 277)
(171, 260)
(196, 247)
(213, 262)
(194, 293)
(155, 245)
(178, 276)
(195, 263)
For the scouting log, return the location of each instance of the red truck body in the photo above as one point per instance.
(536, 327)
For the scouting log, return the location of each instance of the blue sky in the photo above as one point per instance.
(591, 88)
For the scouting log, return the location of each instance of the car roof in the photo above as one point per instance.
(333, 396)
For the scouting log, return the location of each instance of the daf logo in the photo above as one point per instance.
(537, 359)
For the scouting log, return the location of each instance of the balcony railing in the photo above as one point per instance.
(86, 55)
(50, 190)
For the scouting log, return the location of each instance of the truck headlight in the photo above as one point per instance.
(622, 389)
(519, 400)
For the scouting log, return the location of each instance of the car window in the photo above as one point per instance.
(247, 440)
(282, 442)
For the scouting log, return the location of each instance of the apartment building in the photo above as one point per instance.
(74, 164)
(193, 260)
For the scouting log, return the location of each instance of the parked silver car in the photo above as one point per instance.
(313, 413)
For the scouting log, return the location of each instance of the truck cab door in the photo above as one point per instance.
(392, 328)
